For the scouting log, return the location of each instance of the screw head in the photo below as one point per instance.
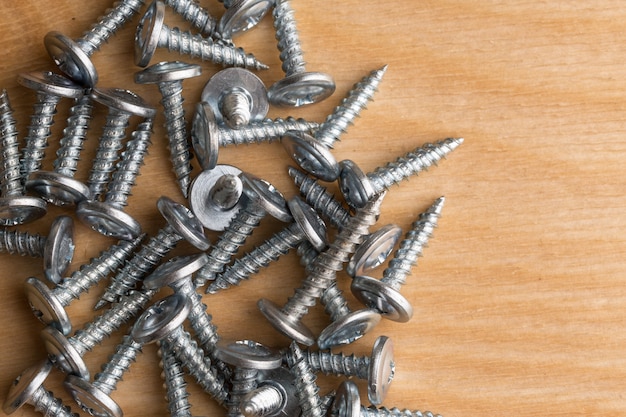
(248, 354)
(59, 249)
(310, 155)
(205, 136)
(175, 269)
(301, 89)
(293, 329)
(63, 354)
(377, 294)
(354, 185)
(264, 194)
(25, 385)
(242, 16)
(147, 33)
(71, 59)
(58, 189)
(381, 370)
(373, 251)
(167, 71)
(45, 306)
(309, 221)
(123, 100)
(90, 399)
(19, 210)
(108, 220)
(184, 222)
(349, 328)
(347, 402)
(50, 83)
(161, 319)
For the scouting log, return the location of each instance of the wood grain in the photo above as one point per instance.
(520, 299)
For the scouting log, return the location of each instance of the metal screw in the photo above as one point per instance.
(158, 323)
(307, 390)
(306, 226)
(181, 224)
(152, 33)
(384, 294)
(169, 76)
(175, 384)
(274, 397)
(207, 136)
(48, 305)
(50, 88)
(321, 273)
(15, 207)
(358, 187)
(241, 16)
(298, 88)
(57, 249)
(59, 186)
(263, 199)
(28, 388)
(196, 15)
(373, 251)
(94, 398)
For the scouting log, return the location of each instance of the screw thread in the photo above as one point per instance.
(90, 274)
(268, 130)
(22, 243)
(107, 154)
(74, 134)
(93, 333)
(36, 141)
(307, 253)
(229, 242)
(175, 385)
(307, 390)
(412, 163)
(47, 404)
(335, 304)
(119, 362)
(262, 401)
(206, 49)
(123, 179)
(198, 365)
(197, 16)
(243, 382)
(349, 108)
(260, 257)
(373, 411)
(236, 107)
(322, 271)
(337, 364)
(320, 199)
(291, 54)
(411, 248)
(10, 176)
(107, 25)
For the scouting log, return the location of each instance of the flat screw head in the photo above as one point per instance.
(59, 249)
(354, 185)
(349, 328)
(50, 83)
(45, 306)
(148, 32)
(310, 223)
(310, 155)
(205, 136)
(242, 16)
(177, 268)
(123, 100)
(373, 251)
(248, 354)
(381, 370)
(25, 385)
(91, 399)
(167, 71)
(71, 59)
(108, 220)
(58, 189)
(161, 319)
(301, 89)
(381, 296)
(265, 195)
(184, 222)
(16, 210)
(347, 401)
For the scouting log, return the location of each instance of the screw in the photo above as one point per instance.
(49, 305)
(28, 388)
(263, 199)
(347, 403)
(274, 397)
(181, 224)
(207, 136)
(373, 251)
(378, 368)
(248, 358)
(57, 249)
(236, 96)
(169, 76)
(196, 15)
(175, 385)
(320, 275)
(307, 390)
(73, 56)
(59, 186)
(15, 207)
(384, 294)
(241, 16)
(158, 323)
(306, 226)
(310, 155)
(358, 187)
(152, 33)
(298, 88)
(50, 88)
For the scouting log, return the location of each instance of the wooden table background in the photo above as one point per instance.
(520, 299)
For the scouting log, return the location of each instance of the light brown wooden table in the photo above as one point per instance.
(520, 299)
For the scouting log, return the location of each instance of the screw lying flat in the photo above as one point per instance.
(241, 16)
(274, 397)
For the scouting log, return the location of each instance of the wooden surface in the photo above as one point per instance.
(520, 298)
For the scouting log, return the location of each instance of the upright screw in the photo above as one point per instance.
(241, 16)
(169, 76)
(73, 56)
(358, 187)
(50, 88)
(152, 33)
(275, 396)
(321, 273)
(196, 15)
(175, 385)
(384, 294)
(15, 207)
(306, 226)
(59, 186)
(28, 388)
(180, 224)
(307, 390)
(207, 136)
(298, 88)
(48, 305)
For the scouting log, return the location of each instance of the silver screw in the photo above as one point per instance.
(28, 388)
(15, 207)
(72, 56)
(274, 397)
(181, 224)
(153, 33)
(59, 186)
(175, 384)
(196, 15)
(321, 273)
(298, 88)
(384, 294)
(50, 88)
(307, 390)
(358, 187)
(158, 323)
(374, 250)
(241, 16)
(306, 226)
(207, 136)
(48, 305)
(169, 76)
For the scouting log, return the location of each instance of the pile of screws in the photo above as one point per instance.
(244, 376)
